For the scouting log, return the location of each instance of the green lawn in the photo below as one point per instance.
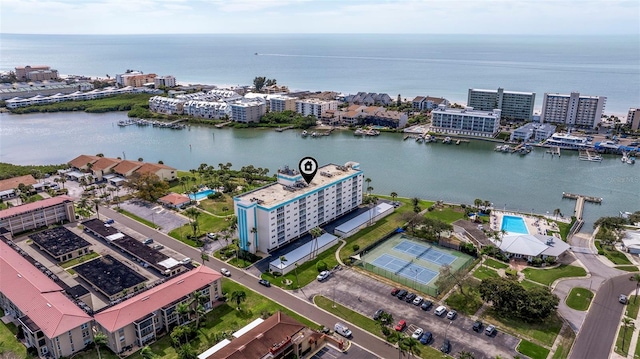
(614, 255)
(627, 340)
(207, 223)
(632, 307)
(567, 337)
(137, 218)
(79, 260)
(627, 268)
(8, 341)
(548, 276)
(533, 351)
(467, 304)
(579, 298)
(484, 273)
(218, 207)
(447, 214)
(543, 332)
(366, 323)
(637, 352)
(495, 264)
(307, 272)
(529, 284)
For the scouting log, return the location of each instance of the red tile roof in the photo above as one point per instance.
(125, 166)
(174, 199)
(82, 160)
(33, 206)
(11, 183)
(37, 296)
(166, 293)
(149, 168)
(104, 163)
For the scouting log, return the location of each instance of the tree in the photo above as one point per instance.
(315, 233)
(412, 346)
(148, 186)
(183, 311)
(204, 256)
(197, 298)
(384, 320)
(96, 202)
(511, 299)
(397, 338)
(283, 260)
(477, 202)
(626, 323)
(635, 278)
(394, 196)
(412, 220)
(186, 352)
(147, 353)
(466, 355)
(99, 339)
(258, 82)
(557, 212)
(238, 296)
(193, 214)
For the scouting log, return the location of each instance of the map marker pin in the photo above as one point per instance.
(308, 167)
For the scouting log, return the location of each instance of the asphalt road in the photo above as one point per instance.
(598, 332)
(300, 306)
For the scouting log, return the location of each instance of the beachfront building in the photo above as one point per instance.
(633, 118)
(35, 73)
(164, 81)
(369, 99)
(467, 122)
(315, 107)
(278, 336)
(248, 110)
(515, 106)
(428, 103)
(282, 103)
(140, 319)
(535, 132)
(573, 110)
(20, 94)
(274, 215)
(96, 168)
(50, 321)
(135, 79)
(205, 109)
(38, 214)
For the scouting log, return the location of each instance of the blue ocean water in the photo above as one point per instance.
(435, 65)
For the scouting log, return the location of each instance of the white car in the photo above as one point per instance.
(323, 275)
(418, 300)
(225, 272)
(452, 314)
(418, 332)
(440, 310)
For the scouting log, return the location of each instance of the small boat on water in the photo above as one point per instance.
(627, 159)
(304, 133)
(447, 140)
(358, 132)
(428, 138)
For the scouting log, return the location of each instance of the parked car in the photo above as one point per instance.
(452, 314)
(109, 221)
(477, 326)
(186, 261)
(417, 333)
(440, 310)
(343, 330)
(426, 338)
(264, 282)
(426, 305)
(417, 300)
(147, 241)
(378, 314)
(395, 291)
(401, 325)
(446, 346)
(401, 294)
(491, 329)
(623, 299)
(157, 247)
(410, 297)
(225, 272)
(323, 275)
(211, 235)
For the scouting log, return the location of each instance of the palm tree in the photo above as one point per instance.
(204, 256)
(635, 278)
(147, 353)
(193, 214)
(62, 180)
(466, 355)
(186, 352)
(394, 196)
(477, 202)
(412, 346)
(96, 202)
(397, 338)
(315, 233)
(556, 212)
(253, 231)
(183, 310)
(283, 260)
(238, 296)
(626, 323)
(99, 339)
(197, 298)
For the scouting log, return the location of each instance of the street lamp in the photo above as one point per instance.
(446, 331)
(415, 278)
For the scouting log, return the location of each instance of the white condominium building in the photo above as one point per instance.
(468, 122)
(633, 118)
(279, 213)
(282, 103)
(315, 107)
(573, 110)
(248, 110)
(166, 105)
(206, 109)
(514, 105)
(166, 81)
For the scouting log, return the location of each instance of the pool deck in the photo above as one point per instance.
(535, 225)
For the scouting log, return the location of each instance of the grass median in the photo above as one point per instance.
(533, 351)
(544, 332)
(579, 298)
(138, 218)
(548, 276)
(306, 273)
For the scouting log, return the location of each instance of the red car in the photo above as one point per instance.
(395, 291)
(401, 325)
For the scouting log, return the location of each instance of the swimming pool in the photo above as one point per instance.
(201, 195)
(514, 225)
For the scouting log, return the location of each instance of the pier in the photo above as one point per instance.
(579, 209)
(281, 129)
(221, 125)
(554, 151)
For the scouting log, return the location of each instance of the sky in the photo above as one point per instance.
(549, 17)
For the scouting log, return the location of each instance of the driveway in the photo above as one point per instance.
(365, 295)
(168, 220)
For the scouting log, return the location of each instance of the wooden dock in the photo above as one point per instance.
(554, 151)
(281, 129)
(579, 209)
(221, 125)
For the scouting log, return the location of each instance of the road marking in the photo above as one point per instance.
(581, 250)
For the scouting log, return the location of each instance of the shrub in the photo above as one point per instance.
(321, 265)
(536, 261)
(355, 247)
(431, 208)
(550, 260)
(511, 272)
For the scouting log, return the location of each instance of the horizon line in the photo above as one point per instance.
(322, 33)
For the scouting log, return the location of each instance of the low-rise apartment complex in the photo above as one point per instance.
(315, 107)
(428, 103)
(279, 213)
(35, 73)
(533, 132)
(514, 105)
(573, 110)
(38, 214)
(468, 122)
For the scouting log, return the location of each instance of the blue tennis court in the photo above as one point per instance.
(425, 252)
(405, 268)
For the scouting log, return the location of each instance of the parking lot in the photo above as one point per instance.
(167, 220)
(365, 295)
(354, 352)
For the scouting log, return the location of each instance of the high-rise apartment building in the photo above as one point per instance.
(468, 122)
(634, 118)
(516, 106)
(573, 110)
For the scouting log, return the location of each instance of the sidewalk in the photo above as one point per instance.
(631, 346)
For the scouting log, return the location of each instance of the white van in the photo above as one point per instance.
(342, 329)
(440, 310)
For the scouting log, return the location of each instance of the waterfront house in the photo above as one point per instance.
(103, 166)
(162, 171)
(248, 110)
(529, 246)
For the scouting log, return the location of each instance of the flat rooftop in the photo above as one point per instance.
(140, 250)
(109, 275)
(59, 241)
(277, 193)
(100, 227)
